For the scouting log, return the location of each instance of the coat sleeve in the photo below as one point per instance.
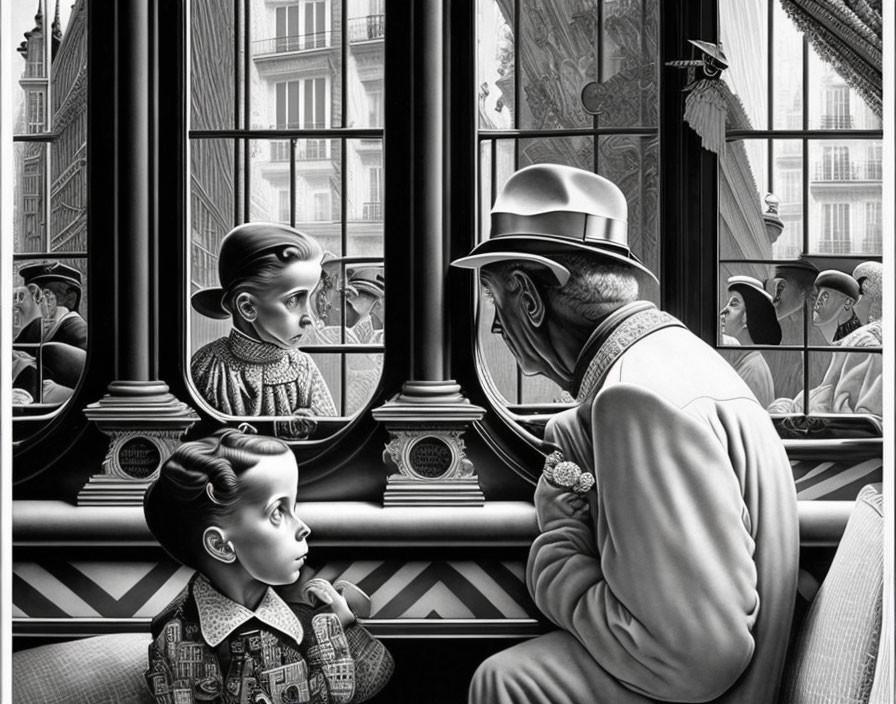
(668, 604)
(373, 663)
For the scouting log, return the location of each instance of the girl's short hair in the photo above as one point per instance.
(257, 277)
(198, 486)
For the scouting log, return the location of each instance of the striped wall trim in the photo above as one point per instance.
(486, 589)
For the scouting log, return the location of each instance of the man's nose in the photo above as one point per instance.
(303, 531)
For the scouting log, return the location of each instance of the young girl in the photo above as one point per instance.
(225, 505)
(267, 273)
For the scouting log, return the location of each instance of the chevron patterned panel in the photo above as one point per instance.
(834, 481)
(59, 589)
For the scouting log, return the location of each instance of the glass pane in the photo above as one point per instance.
(49, 194)
(499, 363)
(49, 330)
(504, 167)
(833, 105)
(743, 28)
(766, 371)
(295, 72)
(744, 232)
(572, 151)
(366, 33)
(627, 74)
(787, 70)
(850, 382)
(788, 189)
(364, 197)
(331, 368)
(30, 224)
(213, 70)
(540, 389)
(845, 196)
(495, 63)
(632, 163)
(318, 191)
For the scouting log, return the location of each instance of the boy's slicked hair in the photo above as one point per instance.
(198, 485)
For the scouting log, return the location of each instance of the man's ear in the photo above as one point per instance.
(245, 306)
(530, 297)
(217, 545)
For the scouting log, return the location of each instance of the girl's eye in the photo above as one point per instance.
(294, 300)
(277, 515)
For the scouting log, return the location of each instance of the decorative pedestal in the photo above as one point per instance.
(426, 423)
(145, 424)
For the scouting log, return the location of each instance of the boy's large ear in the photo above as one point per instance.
(217, 546)
(245, 306)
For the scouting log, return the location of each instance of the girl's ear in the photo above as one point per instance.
(245, 306)
(217, 545)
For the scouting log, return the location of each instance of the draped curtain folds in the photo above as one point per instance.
(846, 34)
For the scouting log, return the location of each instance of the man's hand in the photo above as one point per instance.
(554, 503)
(321, 590)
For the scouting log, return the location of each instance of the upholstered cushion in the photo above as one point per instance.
(835, 654)
(100, 670)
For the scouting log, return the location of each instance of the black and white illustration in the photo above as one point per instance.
(485, 351)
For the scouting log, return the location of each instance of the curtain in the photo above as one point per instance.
(846, 34)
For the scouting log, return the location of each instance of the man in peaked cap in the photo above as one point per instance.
(835, 299)
(60, 287)
(364, 295)
(649, 559)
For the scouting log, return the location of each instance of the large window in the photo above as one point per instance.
(800, 194)
(49, 233)
(533, 64)
(281, 133)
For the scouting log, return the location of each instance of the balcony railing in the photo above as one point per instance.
(362, 29)
(865, 171)
(837, 122)
(372, 211)
(285, 45)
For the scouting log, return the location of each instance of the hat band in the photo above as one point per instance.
(578, 227)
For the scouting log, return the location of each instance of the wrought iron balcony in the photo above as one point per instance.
(363, 29)
(373, 210)
(290, 44)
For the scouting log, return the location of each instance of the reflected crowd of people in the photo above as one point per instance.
(50, 347)
(845, 310)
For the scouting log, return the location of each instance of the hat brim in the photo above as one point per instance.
(538, 248)
(208, 303)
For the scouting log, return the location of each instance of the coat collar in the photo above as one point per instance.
(219, 616)
(614, 335)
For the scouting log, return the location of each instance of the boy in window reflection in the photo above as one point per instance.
(653, 556)
(833, 313)
(268, 273)
(226, 506)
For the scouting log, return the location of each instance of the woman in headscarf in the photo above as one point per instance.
(748, 318)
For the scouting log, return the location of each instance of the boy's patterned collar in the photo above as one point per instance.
(219, 615)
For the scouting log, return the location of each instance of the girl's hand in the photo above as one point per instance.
(322, 591)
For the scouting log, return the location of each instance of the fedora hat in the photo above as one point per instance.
(241, 250)
(546, 210)
(367, 280)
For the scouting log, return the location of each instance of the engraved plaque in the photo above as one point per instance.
(139, 457)
(430, 457)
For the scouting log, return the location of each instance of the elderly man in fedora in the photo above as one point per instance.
(668, 535)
